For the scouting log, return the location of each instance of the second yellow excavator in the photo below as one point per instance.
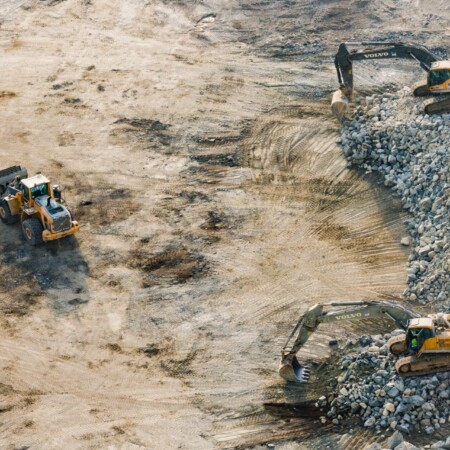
(437, 82)
(425, 344)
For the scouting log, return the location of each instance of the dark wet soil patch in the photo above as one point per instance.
(17, 305)
(193, 196)
(306, 409)
(59, 86)
(150, 350)
(180, 368)
(149, 130)
(7, 94)
(216, 140)
(223, 159)
(105, 205)
(172, 266)
(217, 221)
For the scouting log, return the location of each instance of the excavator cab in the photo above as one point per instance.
(417, 334)
(439, 77)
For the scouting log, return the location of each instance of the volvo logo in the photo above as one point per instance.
(376, 55)
(349, 316)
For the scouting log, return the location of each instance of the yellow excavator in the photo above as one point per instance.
(437, 82)
(425, 344)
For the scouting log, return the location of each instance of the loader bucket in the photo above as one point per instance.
(292, 370)
(339, 105)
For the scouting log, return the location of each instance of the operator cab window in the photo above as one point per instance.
(436, 77)
(40, 189)
(417, 336)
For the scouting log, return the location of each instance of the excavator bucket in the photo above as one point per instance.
(339, 105)
(292, 370)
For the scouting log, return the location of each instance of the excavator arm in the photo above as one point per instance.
(344, 58)
(378, 50)
(291, 370)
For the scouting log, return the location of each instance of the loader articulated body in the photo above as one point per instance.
(37, 204)
(426, 341)
(437, 82)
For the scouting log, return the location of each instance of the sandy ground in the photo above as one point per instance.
(194, 143)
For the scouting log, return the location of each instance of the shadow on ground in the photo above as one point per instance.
(54, 270)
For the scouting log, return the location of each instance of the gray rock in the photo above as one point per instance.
(374, 446)
(343, 391)
(428, 406)
(425, 203)
(438, 445)
(390, 407)
(393, 392)
(416, 400)
(395, 440)
(401, 408)
(365, 341)
(403, 428)
(406, 241)
(406, 446)
(370, 422)
(444, 394)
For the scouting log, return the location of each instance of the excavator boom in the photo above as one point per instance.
(344, 58)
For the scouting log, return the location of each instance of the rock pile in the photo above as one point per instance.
(371, 388)
(397, 442)
(410, 150)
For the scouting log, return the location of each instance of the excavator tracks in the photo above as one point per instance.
(411, 366)
(437, 105)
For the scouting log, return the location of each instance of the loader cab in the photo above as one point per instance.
(439, 77)
(36, 186)
(419, 330)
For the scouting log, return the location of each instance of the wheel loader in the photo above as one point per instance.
(425, 346)
(37, 204)
(437, 82)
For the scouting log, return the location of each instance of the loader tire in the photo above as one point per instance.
(5, 213)
(32, 231)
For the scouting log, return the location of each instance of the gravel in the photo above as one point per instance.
(390, 135)
(370, 387)
(409, 150)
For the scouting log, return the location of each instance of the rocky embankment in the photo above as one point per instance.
(391, 135)
(370, 387)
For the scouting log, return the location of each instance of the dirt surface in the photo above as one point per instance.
(195, 145)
